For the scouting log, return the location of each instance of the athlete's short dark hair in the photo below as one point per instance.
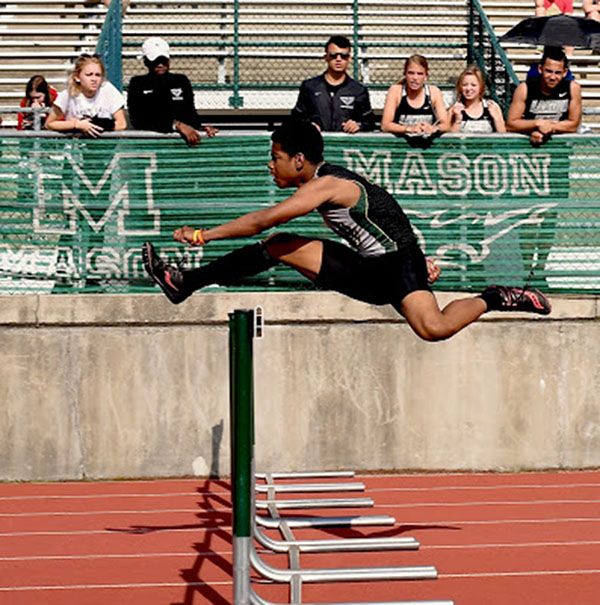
(300, 136)
(339, 41)
(555, 53)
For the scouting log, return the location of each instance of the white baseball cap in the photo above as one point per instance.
(155, 47)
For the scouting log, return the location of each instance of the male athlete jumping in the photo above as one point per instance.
(383, 263)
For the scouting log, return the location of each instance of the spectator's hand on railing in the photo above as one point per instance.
(350, 126)
(546, 127)
(429, 128)
(88, 128)
(191, 135)
(210, 131)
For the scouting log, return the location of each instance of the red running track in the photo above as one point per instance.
(518, 539)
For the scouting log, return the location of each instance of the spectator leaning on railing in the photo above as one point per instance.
(334, 101)
(548, 104)
(163, 101)
(412, 107)
(90, 104)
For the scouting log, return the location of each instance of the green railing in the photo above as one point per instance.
(109, 44)
(485, 50)
(74, 212)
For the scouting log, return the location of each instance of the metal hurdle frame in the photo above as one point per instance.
(244, 325)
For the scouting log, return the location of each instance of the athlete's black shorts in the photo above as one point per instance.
(379, 280)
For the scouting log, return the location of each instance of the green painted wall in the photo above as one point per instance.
(74, 211)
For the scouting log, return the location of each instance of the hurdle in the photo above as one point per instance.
(244, 326)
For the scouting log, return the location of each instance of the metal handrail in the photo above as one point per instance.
(485, 50)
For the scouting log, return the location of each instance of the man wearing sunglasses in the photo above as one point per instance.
(334, 101)
(163, 101)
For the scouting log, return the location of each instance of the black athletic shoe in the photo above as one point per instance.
(511, 298)
(168, 277)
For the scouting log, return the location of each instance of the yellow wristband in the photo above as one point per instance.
(197, 238)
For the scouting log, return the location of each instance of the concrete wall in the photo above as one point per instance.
(131, 386)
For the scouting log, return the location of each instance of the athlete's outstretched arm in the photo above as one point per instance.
(307, 198)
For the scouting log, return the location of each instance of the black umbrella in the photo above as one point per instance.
(558, 30)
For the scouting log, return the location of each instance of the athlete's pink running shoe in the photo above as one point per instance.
(512, 298)
(168, 277)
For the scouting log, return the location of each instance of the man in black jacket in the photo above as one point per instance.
(334, 101)
(163, 101)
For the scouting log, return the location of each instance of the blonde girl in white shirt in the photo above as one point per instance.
(88, 101)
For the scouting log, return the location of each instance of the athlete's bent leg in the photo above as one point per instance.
(302, 254)
(422, 313)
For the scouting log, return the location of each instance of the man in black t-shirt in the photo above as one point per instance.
(163, 101)
(547, 104)
(334, 101)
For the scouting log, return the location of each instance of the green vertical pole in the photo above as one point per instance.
(241, 395)
(470, 27)
(355, 41)
(109, 45)
(236, 100)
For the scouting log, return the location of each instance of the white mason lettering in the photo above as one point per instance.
(491, 174)
(376, 168)
(530, 173)
(455, 177)
(414, 177)
(46, 218)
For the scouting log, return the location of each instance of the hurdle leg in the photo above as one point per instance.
(243, 493)
(241, 418)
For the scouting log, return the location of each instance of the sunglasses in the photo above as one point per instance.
(343, 56)
(162, 60)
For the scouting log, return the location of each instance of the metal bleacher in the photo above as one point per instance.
(218, 43)
(274, 54)
(43, 36)
(245, 57)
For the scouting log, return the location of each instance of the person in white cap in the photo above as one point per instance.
(163, 101)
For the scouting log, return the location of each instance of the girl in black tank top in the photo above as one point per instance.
(472, 113)
(411, 107)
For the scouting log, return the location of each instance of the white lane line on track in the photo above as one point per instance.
(570, 543)
(449, 488)
(416, 525)
(426, 524)
(116, 532)
(191, 494)
(374, 489)
(505, 574)
(78, 557)
(155, 555)
(113, 586)
(88, 513)
(227, 509)
(575, 572)
(485, 503)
